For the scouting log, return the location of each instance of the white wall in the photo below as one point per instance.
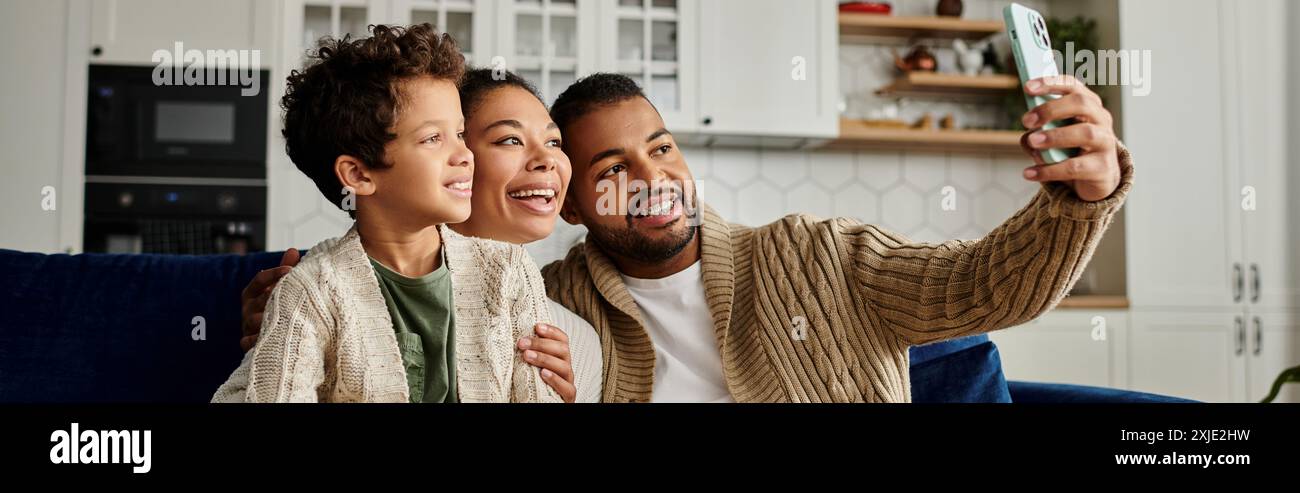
(34, 44)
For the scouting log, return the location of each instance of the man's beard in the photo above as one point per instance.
(628, 244)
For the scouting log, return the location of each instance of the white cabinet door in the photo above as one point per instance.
(1195, 355)
(1274, 342)
(1273, 269)
(549, 42)
(769, 68)
(130, 31)
(469, 22)
(315, 19)
(654, 42)
(1183, 217)
(1082, 347)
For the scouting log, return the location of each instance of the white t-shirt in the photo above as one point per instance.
(688, 366)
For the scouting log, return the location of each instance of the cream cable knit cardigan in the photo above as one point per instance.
(327, 335)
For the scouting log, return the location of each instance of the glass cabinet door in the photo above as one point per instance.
(544, 41)
(337, 18)
(468, 21)
(645, 40)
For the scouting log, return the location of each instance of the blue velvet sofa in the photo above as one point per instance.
(165, 328)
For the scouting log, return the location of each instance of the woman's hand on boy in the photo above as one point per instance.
(252, 300)
(549, 351)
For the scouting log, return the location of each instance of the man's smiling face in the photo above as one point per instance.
(631, 187)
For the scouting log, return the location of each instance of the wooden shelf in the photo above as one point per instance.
(876, 25)
(950, 86)
(855, 134)
(1094, 301)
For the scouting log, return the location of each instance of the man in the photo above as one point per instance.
(690, 308)
(699, 310)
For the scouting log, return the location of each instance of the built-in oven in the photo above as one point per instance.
(175, 216)
(174, 168)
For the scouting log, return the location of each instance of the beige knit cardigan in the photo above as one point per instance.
(327, 335)
(867, 295)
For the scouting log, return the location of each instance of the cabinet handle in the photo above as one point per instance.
(1237, 283)
(1259, 336)
(1254, 283)
(1241, 335)
(708, 120)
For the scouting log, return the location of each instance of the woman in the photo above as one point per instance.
(520, 177)
(519, 184)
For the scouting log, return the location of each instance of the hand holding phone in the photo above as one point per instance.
(1072, 138)
(1034, 60)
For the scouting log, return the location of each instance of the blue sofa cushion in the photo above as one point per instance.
(117, 328)
(1056, 393)
(959, 371)
(921, 354)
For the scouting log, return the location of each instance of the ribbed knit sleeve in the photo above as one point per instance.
(1023, 268)
(584, 351)
(528, 306)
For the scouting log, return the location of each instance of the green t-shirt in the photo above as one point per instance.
(425, 322)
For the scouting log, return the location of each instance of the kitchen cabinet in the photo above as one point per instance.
(769, 69)
(1268, 173)
(1212, 278)
(549, 42)
(468, 21)
(1226, 152)
(1216, 356)
(1195, 355)
(1071, 346)
(317, 19)
(655, 42)
(725, 67)
(129, 31)
(749, 72)
(1183, 157)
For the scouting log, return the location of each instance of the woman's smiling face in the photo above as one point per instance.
(521, 172)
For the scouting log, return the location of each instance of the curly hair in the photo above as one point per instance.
(478, 83)
(590, 93)
(347, 98)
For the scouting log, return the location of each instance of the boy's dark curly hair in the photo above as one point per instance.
(478, 83)
(346, 100)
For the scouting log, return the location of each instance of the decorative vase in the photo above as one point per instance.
(949, 8)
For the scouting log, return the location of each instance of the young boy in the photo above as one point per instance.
(399, 309)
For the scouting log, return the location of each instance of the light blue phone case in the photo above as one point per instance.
(1034, 60)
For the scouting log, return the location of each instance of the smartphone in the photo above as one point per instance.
(1033, 50)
